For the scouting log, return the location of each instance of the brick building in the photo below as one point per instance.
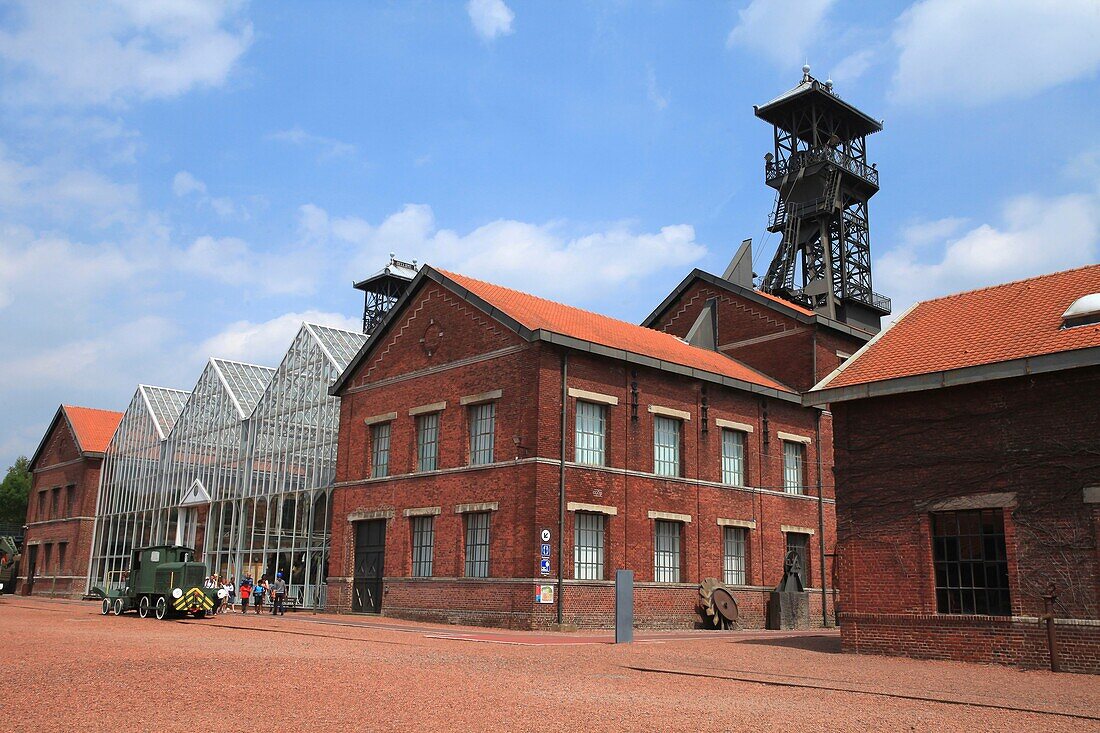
(62, 502)
(968, 477)
(477, 416)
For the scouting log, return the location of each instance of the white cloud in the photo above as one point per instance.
(781, 30)
(1038, 235)
(659, 100)
(184, 183)
(77, 52)
(232, 261)
(266, 342)
(975, 52)
(491, 18)
(852, 67)
(63, 193)
(326, 147)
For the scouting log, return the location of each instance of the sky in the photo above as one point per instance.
(181, 180)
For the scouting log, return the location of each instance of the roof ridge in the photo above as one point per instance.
(1009, 283)
(241, 363)
(93, 409)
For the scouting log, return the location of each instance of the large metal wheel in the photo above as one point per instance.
(161, 608)
(143, 607)
(200, 614)
(118, 607)
(106, 607)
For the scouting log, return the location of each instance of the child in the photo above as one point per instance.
(258, 592)
(246, 592)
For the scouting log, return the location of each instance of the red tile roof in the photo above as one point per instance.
(537, 313)
(1002, 323)
(789, 304)
(93, 428)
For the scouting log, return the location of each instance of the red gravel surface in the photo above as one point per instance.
(68, 668)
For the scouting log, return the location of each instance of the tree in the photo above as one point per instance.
(14, 490)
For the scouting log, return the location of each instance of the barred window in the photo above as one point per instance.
(591, 434)
(792, 467)
(380, 450)
(800, 544)
(427, 442)
(48, 549)
(968, 551)
(666, 446)
(477, 545)
(70, 500)
(55, 503)
(61, 548)
(666, 552)
(41, 514)
(588, 546)
(733, 555)
(733, 457)
(482, 432)
(423, 544)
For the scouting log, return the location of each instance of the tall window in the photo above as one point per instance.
(588, 546)
(666, 446)
(41, 514)
(800, 544)
(427, 442)
(666, 552)
(482, 432)
(733, 555)
(48, 550)
(477, 545)
(733, 457)
(380, 450)
(792, 467)
(968, 551)
(61, 548)
(70, 500)
(55, 503)
(590, 441)
(423, 543)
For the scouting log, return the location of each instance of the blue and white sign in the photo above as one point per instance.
(544, 566)
(545, 550)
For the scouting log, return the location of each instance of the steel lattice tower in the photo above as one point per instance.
(822, 180)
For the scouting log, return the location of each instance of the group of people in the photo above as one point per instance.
(249, 590)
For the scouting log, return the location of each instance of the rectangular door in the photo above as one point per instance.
(32, 560)
(370, 554)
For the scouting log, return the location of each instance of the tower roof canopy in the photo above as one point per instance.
(395, 270)
(782, 110)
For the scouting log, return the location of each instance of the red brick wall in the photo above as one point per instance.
(1031, 436)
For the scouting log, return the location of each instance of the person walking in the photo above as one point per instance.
(211, 583)
(259, 590)
(278, 595)
(230, 588)
(246, 593)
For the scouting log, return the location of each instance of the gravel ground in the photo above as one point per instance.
(69, 668)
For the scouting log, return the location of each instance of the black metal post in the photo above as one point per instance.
(561, 481)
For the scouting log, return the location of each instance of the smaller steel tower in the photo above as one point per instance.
(383, 289)
(822, 180)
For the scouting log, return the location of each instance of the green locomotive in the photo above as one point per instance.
(163, 580)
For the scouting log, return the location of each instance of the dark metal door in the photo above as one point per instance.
(370, 554)
(32, 561)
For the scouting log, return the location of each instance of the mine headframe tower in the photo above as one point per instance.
(822, 180)
(383, 289)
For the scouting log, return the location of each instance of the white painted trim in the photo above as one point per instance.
(576, 506)
(384, 417)
(423, 511)
(485, 506)
(477, 399)
(792, 438)
(745, 523)
(584, 394)
(670, 412)
(785, 528)
(670, 516)
(844, 355)
(370, 514)
(427, 409)
(732, 425)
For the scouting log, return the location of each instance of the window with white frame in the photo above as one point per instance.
(427, 442)
(423, 544)
(482, 433)
(590, 440)
(477, 545)
(380, 449)
(733, 555)
(666, 446)
(733, 457)
(666, 551)
(588, 546)
(793, 454)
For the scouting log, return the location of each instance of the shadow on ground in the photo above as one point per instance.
(824, 644)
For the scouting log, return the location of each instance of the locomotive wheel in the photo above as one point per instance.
(106, 607)
(118, 608)
(200, 614)
(143, 607)
(161, 608)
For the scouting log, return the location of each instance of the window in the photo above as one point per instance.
(477, 545)
(800, 543)
(733, 457)
(968, 551)
(733, 555)
(70, 500)
(666, 552)
(588, 546)
(427, 442)
(41, 514)
(380, 450)
(423, 542)
(61, 548)
(590, 441)
(482, 432)
(48, 550)
(792, 467)
(666, 446)
(55, 503)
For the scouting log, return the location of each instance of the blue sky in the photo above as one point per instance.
(183, 180)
